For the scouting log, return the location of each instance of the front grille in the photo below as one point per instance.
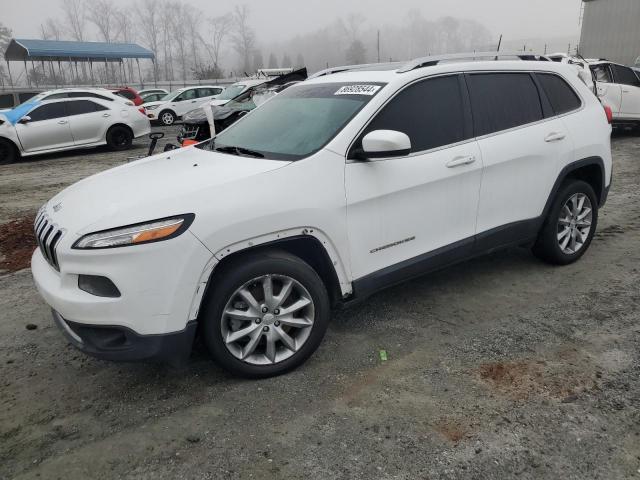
(47, 235)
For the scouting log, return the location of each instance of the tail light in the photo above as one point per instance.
(609, 112)
(188, 143)
(141, 110)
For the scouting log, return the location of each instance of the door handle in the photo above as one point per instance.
(62, 122)
(554, 137)
(459, 161)
(193, 101)
(106, 115)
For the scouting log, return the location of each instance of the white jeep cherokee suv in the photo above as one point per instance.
(336, 188)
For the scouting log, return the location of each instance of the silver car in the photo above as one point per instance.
(67, 119)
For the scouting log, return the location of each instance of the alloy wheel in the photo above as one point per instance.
(574, 224)
(167, 118)
(267, 320)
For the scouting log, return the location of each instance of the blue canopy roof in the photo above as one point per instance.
(20, 49)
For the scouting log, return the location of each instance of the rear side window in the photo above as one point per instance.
(187, 95)
(126, 94)
(79, 107)
(501, 101)
(430, 112)
(625, 75)
(6, 100)
(48, 112)
(562, 97)
(602, 73)
(24, 96)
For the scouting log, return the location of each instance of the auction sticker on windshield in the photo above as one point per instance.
(358, 90)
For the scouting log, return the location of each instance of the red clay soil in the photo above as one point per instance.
(17, 243)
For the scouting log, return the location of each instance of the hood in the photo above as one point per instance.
(170, 183)
(153, 104)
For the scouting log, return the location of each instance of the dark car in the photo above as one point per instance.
(196, 126)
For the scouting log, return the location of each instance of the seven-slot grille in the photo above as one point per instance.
(47, 236)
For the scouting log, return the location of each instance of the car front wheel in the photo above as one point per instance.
(167, 118)
(265, 315)
(8, 152)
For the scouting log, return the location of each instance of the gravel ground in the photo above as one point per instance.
(499, 367)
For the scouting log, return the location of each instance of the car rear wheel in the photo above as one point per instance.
(265, 315)
(570, 225)
(8, 152)
(119, 138)
(167, 118)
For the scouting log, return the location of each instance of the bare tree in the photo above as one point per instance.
(179, 35)
(192, 23)
(219, 28)
(352, 26)
(75, 18)
(5, 38)
(243, 37)
(149, 13)
(273, 61)
(51, 29)
(102, 13)
(125, 33)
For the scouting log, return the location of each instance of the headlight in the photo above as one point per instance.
(153, 231)
(152, 107)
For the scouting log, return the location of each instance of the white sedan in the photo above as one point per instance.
(175, 104)
(67, 119)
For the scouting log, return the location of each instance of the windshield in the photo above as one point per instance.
(230, 92)
(296, 122)
(171, 95)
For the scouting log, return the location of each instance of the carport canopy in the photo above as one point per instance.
(23, 50)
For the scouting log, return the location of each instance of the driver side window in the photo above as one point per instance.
(48, 112)
(187, 95)
(431, 112)
(602, 74)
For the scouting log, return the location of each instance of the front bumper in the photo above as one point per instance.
(159, 283)
(116, 343)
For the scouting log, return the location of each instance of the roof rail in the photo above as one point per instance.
(435, 60)
(345, 68)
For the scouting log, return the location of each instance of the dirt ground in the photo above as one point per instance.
(501, 367)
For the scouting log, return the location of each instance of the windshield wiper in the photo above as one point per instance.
(239, 151)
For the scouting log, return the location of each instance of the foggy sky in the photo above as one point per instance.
(277, 20)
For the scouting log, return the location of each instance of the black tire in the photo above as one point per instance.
(167, 118)
(547, 246)
(235, 275)
(8, 152)
(119, 138)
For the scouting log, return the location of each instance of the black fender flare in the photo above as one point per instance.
(601, 191)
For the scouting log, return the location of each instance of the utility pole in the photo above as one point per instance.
(499, 43)
(378, 46)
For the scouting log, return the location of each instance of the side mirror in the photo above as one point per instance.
(25, 119)
(385, 144)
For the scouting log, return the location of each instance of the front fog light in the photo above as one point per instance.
(98, 286)
(139, 233)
